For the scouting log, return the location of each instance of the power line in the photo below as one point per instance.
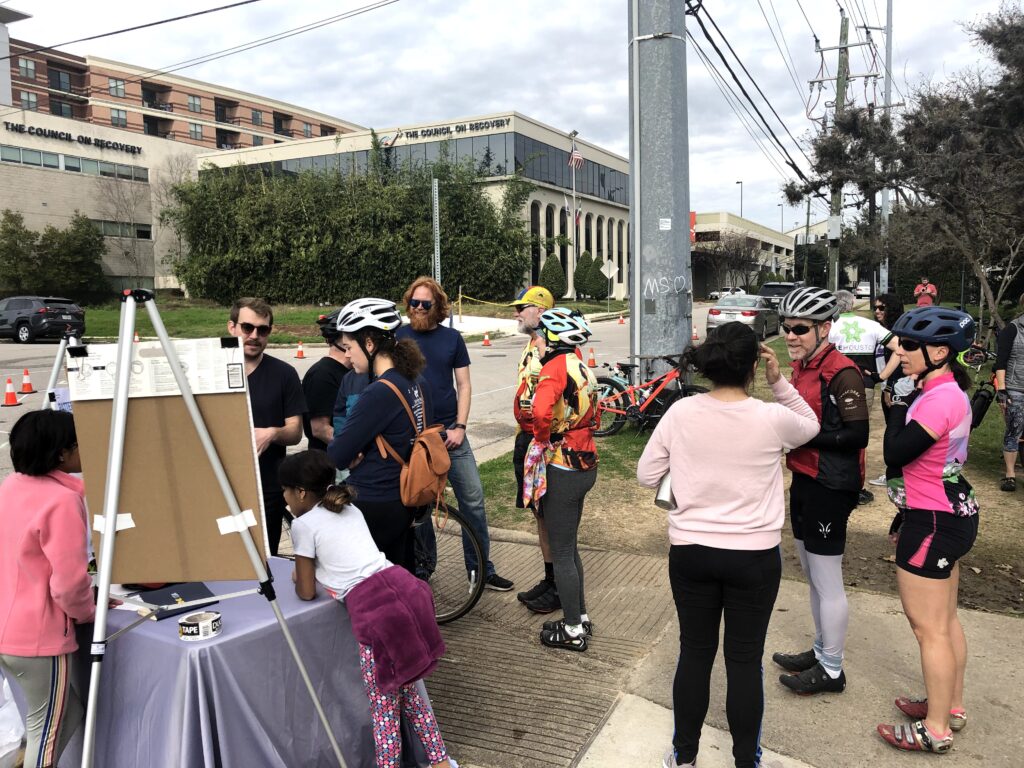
(790, 71)
(809, 26)
(133, 29)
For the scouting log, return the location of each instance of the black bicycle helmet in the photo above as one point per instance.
(937, 325)
(809, 304)
(329, 326)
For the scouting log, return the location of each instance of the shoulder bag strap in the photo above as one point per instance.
(383, 445)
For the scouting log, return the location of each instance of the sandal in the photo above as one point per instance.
(1008, 484)
(915, 737)
(917, 709)
(588, 627)
(558, 637)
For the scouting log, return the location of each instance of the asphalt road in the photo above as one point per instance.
(493, 372)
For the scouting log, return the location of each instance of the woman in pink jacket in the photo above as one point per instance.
(723, 451)
(44, 580)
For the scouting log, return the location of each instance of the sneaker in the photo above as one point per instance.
(558, 637)
(795, 662)
(814, 680)
(917, 709)
(865, 497)
(536, 591)
(1008, 484)
(914, 737)
(670, 761)
(498, 584)
(588, 627)
(546, 603)
(880, 480)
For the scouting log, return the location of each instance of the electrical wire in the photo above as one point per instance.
(791, 71)
(809, 26)
(133, 29)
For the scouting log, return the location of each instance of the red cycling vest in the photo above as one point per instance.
(839, 470)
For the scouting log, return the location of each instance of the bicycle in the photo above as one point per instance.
(455, 591)
(975, 357)
(644, 403)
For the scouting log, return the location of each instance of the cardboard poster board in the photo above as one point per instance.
(168, 486)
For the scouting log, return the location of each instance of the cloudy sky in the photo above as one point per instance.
(563, 62)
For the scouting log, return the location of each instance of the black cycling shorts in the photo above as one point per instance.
(930, 542)
(819, 515)
(522, 445)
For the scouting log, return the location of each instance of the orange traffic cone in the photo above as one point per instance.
(26, 384)
(695, 337)
(591, 362)
(10, 398)
(621, 321)
(300, 355)
(487, 340)
(136, 339)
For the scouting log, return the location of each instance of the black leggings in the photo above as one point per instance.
(745, 584)
(390, 524)
(563, 510)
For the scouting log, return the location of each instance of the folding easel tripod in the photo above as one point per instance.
(49, 398)
(118, 425)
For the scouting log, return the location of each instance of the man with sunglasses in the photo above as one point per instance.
(450, 391)
(828, 473)
(321, 383)
(277, 402)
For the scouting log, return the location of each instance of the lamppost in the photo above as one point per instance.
(741, 198)
(782, 227)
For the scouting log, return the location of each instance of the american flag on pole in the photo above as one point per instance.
(575, 158)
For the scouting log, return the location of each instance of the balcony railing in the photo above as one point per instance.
(163, 106)
(228, 145)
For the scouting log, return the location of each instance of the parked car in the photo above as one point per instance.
(755, 311)
(715, 295)
(863, 290)
(25, 318)
(774, 292)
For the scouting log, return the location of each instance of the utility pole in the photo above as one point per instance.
(883, 274)
(661, 282)
(835, 219)
(807, 241)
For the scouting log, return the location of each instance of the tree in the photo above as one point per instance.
(552, 276)
(17, 253)
(53, 262)
(597, 282)
(581, 275)
(735, 259)
(126, 203)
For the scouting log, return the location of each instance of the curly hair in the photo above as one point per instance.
(405, 354)
(442, 307)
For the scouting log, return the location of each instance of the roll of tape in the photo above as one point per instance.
(199, 626)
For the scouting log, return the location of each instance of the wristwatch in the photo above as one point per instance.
(456, 425)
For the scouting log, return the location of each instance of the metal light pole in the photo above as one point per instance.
(741, 198)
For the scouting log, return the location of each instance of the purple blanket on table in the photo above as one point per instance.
(393, 612)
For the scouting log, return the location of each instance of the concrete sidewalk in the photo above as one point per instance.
(628, 674)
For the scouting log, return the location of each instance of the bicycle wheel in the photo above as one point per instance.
(611, 406)
(455, 593)
(686, 390)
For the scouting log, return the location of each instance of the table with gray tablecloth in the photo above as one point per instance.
(236, 700)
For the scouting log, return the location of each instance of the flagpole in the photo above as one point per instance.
(573, 215)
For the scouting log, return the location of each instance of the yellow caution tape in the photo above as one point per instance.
(481, 301)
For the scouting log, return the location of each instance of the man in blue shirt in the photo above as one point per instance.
(450, 392)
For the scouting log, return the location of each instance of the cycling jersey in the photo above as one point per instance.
(859, 338)
(529, 373)
(564, 410)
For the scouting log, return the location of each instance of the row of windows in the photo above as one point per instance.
(124, 229)
(74, 164)
(493, 155)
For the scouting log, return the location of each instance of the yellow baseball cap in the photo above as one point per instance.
(537, 295)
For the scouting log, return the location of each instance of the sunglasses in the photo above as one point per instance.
(261, 330)
(879, 308)
(909, 345)
(797, 330)
(417, 303)
(520, 308)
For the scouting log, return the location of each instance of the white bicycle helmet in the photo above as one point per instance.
(809, 304)
(368, 313)
(564, 326)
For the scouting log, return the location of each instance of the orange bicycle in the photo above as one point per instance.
(642, 404)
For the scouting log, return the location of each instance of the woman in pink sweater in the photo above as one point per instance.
(44, 581)
(723, 450)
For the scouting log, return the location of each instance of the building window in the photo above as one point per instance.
(27, 69)
(51, 160)
(307, 130)
(60, 81)
(29, 101)
(195, 131)
(72, 164)
(257, 117)
(119, 118)
(140, 174)
(10, 154)
(61, 109)
(257, 141)
(31, 157)
(195, 104)
(115, 86)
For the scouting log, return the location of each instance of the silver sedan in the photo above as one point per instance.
(754, 311)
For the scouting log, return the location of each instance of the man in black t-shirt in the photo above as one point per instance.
(275, 396)
(321, 384)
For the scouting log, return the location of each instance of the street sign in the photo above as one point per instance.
(609, 269)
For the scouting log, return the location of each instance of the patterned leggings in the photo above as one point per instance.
(386, 712)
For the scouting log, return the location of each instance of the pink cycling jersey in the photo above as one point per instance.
(943, 408)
